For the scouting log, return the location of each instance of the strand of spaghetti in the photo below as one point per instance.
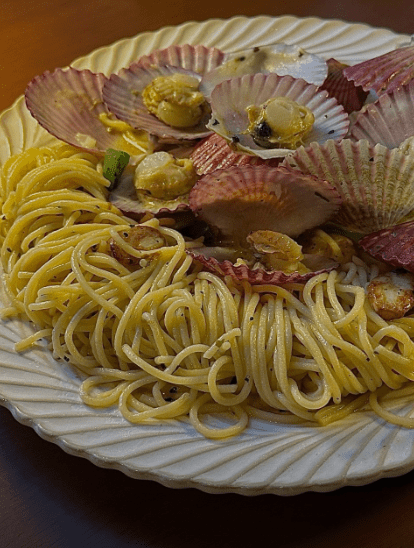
(330, 388)
(406, 422)
(330, 338)
(359, 293)
(179, 407)
(162, 375)
(217, 390)
(261, 367)
(214, 433)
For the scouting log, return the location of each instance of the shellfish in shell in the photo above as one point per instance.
(301, 114)
(164, 100)
(69, 105)
(255, 212)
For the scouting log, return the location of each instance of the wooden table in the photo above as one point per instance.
(50, 499)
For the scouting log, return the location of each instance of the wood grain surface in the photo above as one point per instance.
(50, 499)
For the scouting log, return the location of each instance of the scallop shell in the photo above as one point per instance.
(407, 146)
(350, 96)
(230, 99)
(124, 197)
(385, 73)
(389, 121)
(281, 59)
(200, 59)
(257, 276)
(376, 184)
(67, 103)
(122, 95)
(239, 200)
(214, 153)
(394, 245)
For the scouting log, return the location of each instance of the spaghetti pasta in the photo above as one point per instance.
(163, 339)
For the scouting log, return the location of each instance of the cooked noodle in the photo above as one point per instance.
(165, 340)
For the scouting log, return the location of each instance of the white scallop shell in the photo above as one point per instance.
(230, 99)
(281, 59)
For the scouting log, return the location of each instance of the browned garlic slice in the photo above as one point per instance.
(141, 238)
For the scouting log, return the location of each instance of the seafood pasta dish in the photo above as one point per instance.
(221, 232)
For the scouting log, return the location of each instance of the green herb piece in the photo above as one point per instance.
(115, 161)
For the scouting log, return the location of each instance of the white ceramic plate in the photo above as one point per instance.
(266, 458)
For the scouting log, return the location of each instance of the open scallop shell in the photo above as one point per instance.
(67, 103)
(124, 196)
(122, 95)
(385, 73)
(389, 121)
(200, 59)
(239, 200)
(394, 245)
(376, 184)
(350, 96)
(257, 276)
(230, 99)
(282, 59)
(214, 153)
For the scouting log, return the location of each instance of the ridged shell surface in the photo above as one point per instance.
(384, 73)
(281, 59)
(122, 96)
(266, 458)
(394, 245)
(214, 153)
(350, 96)
(376, 184)
(67, 103)
(253, 276)
(230, 99)
(242, 199)
(196, 58)
(389, 121)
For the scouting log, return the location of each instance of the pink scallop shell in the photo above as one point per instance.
(376, 184)
(394, 245)
(241, 199)
(67, 103)
(389, 121)
(348, 95)
(214, 153)
(254, 276)
(200, 59)
(230, 99)
(385, 73)
(122, 95)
